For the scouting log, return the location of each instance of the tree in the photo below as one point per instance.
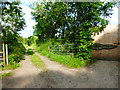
(47, 15)
(31, 40)
(72, 22)
(88, 18)
(12, 21)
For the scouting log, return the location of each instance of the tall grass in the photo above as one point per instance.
(66, 60)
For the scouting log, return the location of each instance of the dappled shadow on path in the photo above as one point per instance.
(94, 76)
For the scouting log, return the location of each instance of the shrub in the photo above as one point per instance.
(16, 54)
(67, 60)
(30, 52)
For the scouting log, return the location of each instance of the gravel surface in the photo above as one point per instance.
(102, 74)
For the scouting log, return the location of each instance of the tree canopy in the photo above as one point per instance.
(71, 22)
(12, 21)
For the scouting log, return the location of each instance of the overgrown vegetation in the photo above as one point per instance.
(30, 51)
(67, 60)
(71, 23)
(12, 22)
(60, 23)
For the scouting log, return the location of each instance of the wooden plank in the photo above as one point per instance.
(6, 54)
(1, 58)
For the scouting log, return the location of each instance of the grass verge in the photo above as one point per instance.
(8, 67)
(37, 62)
(3, 75)
(11, 67)
(66, 60)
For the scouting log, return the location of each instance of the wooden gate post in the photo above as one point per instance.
(3, 53)
(6, 54)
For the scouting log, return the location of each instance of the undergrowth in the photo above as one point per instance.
(66, 60)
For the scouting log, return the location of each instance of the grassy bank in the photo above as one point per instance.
(66, 60)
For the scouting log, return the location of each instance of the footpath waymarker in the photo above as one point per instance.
(6, 54)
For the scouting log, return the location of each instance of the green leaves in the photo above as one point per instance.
(12, 20)
(71, 22)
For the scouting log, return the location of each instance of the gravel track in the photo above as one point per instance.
(102, 74)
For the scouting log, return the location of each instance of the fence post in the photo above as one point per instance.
(6, 54)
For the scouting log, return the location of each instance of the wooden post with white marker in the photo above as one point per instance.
(6, 54)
